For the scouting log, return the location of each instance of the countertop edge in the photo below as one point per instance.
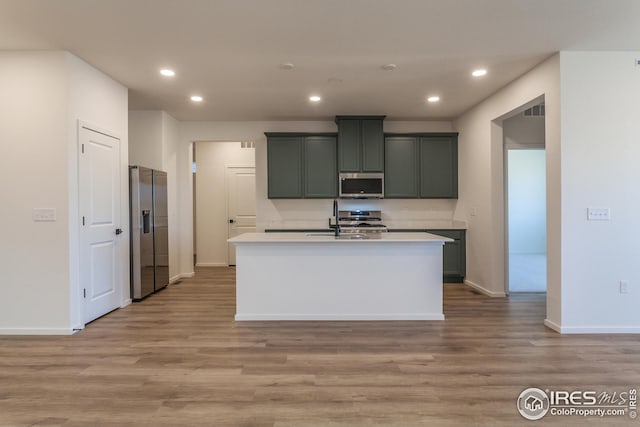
(292, 237)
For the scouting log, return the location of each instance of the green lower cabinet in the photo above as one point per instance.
(454, 256)
(302, 166)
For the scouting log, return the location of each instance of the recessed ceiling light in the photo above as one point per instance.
(286, 66)
(433, 98)
(479, 72)
(389, 67)
(167, 72)
(314, 98)
(196, 98)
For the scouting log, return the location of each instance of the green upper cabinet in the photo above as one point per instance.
(301, 165)
(349, 145)
(401, 167)
(372, 145)
(421, 166)
(320, 167)
(439, 167)
(361, 143)
(284, 163)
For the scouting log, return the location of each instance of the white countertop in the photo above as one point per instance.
(425, 225)
(344, 238)
(391, 224)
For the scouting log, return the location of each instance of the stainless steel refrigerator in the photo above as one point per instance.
(149, 231)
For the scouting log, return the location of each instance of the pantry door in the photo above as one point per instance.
(241, 204)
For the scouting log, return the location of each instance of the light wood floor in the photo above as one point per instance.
(179, 359)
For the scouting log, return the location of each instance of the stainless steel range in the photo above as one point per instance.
(358, 221)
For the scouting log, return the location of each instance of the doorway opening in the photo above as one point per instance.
(525, 201)
(224, 198)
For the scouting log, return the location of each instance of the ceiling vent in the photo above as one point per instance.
(535, 111)
(247, 144)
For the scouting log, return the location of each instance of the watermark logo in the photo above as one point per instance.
(533, 403)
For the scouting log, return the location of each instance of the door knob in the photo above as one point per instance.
(118, 231)
(231, 221)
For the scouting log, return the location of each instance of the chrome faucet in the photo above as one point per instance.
(335, 215)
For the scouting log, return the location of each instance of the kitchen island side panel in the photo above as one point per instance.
(339, 281)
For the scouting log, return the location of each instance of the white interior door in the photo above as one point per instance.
(99, 186)
(241, 204)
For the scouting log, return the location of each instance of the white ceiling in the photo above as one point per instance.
(229, 50)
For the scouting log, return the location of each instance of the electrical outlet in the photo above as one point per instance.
(624, 286)
(598, 214)
(473, 211)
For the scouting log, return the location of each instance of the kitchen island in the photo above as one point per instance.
(317, 276)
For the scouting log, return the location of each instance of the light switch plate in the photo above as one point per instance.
(598, 214)
(44, 214)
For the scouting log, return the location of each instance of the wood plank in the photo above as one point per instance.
(178, 358)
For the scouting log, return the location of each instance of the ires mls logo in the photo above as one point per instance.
(533, 403)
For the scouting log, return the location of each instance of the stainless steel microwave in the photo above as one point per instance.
(362, 185)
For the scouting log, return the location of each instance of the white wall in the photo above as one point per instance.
(521, 130)
(600, 152)
(481, 180)
(170, 154)
(211, 198)
(34, 257)
(145, 139)
(44, 94)
(96, 99)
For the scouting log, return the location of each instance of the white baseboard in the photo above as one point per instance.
(552, 325)
(212, 264)
(592, 329)
(180, 276)
(37, 331)
(125, 303)
(391, 316)
(485, 291)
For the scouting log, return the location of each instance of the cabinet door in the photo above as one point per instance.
(284, 163)
(401, 167)
(453, 255)
(321, 176)
(349, 145)
(372, 145)
(439, 167)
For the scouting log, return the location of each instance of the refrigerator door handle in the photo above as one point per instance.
(146, 221)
